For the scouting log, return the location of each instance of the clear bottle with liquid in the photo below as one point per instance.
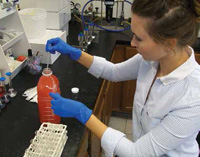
(3, 93)
(2, 88)
(48, 83)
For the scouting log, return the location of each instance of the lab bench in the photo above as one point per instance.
(19, 120)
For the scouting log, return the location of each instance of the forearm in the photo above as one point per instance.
(96, 126)
(86, 59)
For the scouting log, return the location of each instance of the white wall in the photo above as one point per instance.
(127, 7)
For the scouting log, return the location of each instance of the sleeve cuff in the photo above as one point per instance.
(97, 66)
(110, 140)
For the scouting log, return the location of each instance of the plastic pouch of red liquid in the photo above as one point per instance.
(48, 83)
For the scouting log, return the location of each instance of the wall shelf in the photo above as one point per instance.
(17, 42)
(13, 41)
(18, 68)
(6, 12)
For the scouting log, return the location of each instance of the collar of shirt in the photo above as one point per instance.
(181, 72)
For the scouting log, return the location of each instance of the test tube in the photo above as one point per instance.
(12, 93)
(5, 97)
(81, 39)
(86, 34)
(2, 104)
(48, 61)
(91, 27)
(2, 79)
(2, 92)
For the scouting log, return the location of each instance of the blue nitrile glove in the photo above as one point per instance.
(57, 44)
(69, 108)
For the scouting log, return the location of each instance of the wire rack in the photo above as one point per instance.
(49, 141)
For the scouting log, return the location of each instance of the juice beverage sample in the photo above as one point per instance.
(48, 83)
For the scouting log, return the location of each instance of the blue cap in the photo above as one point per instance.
(8, 74)
(2, 79)
(81, 34)
(91, 24)
(86, 29)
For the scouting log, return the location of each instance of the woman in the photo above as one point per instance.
(166, 113)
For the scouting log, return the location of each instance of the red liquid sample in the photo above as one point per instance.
(48, 83)
(2, 91)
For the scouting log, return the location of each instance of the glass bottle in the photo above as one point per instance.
(11, 91)
(2, 89)
(4, 96)
(48, 83)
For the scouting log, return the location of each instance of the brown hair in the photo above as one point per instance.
(170, 19)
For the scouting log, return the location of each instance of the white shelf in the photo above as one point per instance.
(18, 68)
(6, 12)
(13, 41)
(18, 65)
(17, 41)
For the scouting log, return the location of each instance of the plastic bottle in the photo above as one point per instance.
(47, 83)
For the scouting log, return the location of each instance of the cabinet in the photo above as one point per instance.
(12, 38)
(91, 145)
(129, 87)
(197, 57)
(123, 91)
(102, 111)
(83, 151)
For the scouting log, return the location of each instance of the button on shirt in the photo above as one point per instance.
(165, 124)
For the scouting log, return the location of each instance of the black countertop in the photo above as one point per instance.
(19, 120)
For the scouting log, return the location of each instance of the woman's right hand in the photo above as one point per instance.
(57, 44)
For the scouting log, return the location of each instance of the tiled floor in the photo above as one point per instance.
(122, 124)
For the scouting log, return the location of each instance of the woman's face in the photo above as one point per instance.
(145, 45)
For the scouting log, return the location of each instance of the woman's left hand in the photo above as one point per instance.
(69, 108)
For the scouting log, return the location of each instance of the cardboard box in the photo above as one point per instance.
(40, 44)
